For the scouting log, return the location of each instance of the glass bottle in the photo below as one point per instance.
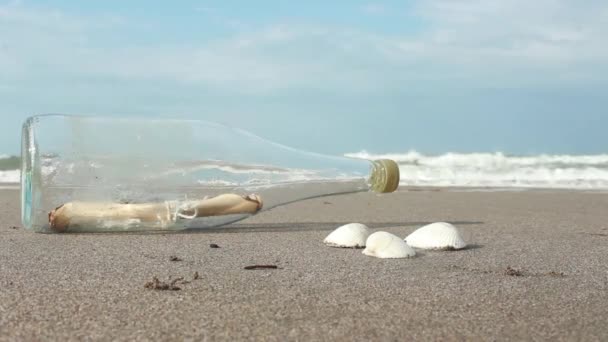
(96, 174)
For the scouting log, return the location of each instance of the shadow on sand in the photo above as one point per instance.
(271, 227)
(310, 226)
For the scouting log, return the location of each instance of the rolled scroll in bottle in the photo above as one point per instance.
(162, 215)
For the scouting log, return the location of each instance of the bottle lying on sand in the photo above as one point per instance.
(105, 174)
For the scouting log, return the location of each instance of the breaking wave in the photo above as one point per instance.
(11, 176)
(475, 170)
(499, 170)
(9, 169)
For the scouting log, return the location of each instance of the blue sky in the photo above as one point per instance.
(386, 76)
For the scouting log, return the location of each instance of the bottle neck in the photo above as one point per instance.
(384, 176)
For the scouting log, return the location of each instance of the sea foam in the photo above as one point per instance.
(473, 170)
(583, 172)
(11, 176)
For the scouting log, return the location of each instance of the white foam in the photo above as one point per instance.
(217, 182)
(11, 176)
(499, 170)
(474, 170)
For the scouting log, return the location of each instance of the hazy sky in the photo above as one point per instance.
(517, 76)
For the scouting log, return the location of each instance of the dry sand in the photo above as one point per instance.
(73, 287)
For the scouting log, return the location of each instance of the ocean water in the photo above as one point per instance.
(499, 170)
(9, 172)
(472, 170)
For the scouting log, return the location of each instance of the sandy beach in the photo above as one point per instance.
(537, 269)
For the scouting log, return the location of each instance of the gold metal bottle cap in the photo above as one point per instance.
(385, 176)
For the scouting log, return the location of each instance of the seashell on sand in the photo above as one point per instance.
(352, 235)
(440, 236)
(387, 246)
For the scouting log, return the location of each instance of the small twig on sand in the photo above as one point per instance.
(261, 267)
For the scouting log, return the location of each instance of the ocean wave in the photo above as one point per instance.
(474, 170)
(11, 176)
(499, 170)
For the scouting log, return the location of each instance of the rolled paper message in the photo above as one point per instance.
(162, 215)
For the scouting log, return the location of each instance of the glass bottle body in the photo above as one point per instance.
(132, 164)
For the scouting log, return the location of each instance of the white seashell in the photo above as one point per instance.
(387, 246)
(352, 235)
(438, 235)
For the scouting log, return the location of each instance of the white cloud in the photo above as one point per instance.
(510, 42)
(542, 31)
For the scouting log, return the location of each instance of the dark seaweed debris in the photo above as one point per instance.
(513, 272)
(156, 284)
(261, 267)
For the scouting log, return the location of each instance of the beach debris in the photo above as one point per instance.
(352, 235)
(196, 276)
(175, 258)
(438, 236)
(513, 272)
(261, 267)
(509, 271)
(156, 284)
(14, 227)
(213, 245)
(387, 246)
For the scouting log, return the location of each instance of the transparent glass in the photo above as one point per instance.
(137, 174)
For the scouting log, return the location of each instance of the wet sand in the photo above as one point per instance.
(555, 244)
